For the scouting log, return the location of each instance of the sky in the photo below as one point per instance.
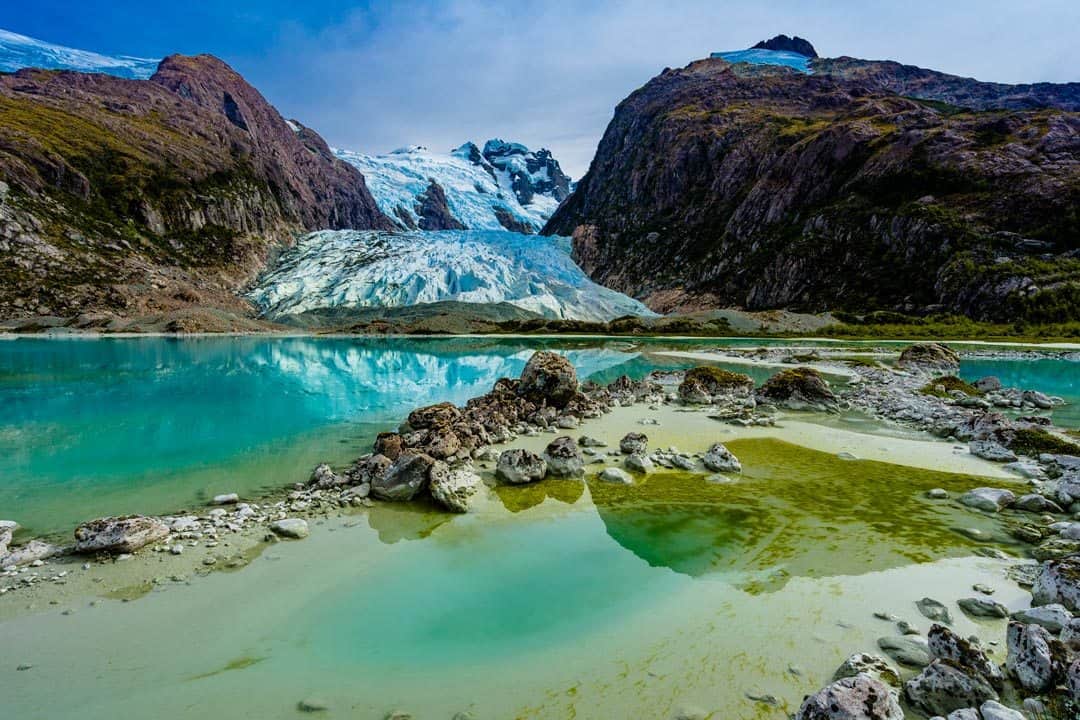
(379, 75)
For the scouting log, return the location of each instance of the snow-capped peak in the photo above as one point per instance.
(19, 51)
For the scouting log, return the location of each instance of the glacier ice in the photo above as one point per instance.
(757, 56)
(19, 51)
(362, 269)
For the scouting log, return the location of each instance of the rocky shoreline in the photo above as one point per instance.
(440, 454)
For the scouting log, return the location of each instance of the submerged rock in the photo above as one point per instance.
(119, 534)
(455, 488)
(564, 458)
(548, 378)
(719, 459)
(519, 466)
(852, 698)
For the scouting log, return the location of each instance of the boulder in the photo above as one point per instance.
(119, 534)
(988, 499)
(225, 499)
(719, 459)
(947, 645)
(991, 450)
(564, 458)
(548, 378)
(944, 686)
(1035, 658)
(1058, 581)
(798, 388)
(990, 383)
(27, 553)
(389, 445)
(706, 384)
(908, 651)
(432, 416)
(993, 710)
(615, 475)
(867, 664)
(293, 528)
(1035, 503)
(982, 607)
(405, 478)
(634, 443)
(1053, 617)
(639, 464)
(368, 469)
(520, 466)
(455, 488)
(852, 698)
(928, 357)
(323, 476)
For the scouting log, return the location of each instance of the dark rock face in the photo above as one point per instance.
(531, 173)
(143, 195)
(756, 186)
(791, 44)
(434, 212)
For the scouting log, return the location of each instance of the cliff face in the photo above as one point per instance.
(136, 196)
(757, 186)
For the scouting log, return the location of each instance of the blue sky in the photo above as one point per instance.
(375, 76)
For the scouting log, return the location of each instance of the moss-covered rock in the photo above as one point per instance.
(705, 383)
(945, 385)
(800, 388)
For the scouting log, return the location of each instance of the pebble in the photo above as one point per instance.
(310, 705)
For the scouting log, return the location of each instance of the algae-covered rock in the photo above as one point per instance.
(705, 384)
(798, 388)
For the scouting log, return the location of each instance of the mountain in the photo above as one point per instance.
(19, 51)
(856, 185)
(503, 186)
(783, 43)
(330, 272)
(136, 196)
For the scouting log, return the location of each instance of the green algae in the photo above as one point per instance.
(517, 498)
(793, 512)
(945, 385)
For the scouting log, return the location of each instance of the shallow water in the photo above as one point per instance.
(560, 600)
(1052, 376)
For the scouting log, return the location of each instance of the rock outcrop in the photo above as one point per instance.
(790, 44)
(119, 534)
(137, 196)
(857, 187)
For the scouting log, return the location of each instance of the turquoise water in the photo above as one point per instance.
(1051, 376)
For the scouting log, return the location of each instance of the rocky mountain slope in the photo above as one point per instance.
(504, 186)
(756, 185)
(328, 274)
(19, 51)
(137, 196)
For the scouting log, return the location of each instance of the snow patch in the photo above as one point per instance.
(19, 51)
(756, 56)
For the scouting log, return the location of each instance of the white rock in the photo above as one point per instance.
(295, 528)
(454, 489)
(988, 499)
(616, 475)
(226, 499)
(993, 710)
(719, 459)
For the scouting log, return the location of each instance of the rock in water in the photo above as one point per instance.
(706, 384)
(639, 464)
(404, 479)
(719, 459)
(119, 534)
(866, 664)
(564, 458)
(1058, 581)
(853, 698)
(634, 443)
(616, 476)
(909, 651)
(548, 377)
(933, 610)
(1035, 658)
(454, 489)
(295, 528)
(947, 645)
(944, 686)
(981, 607)
(520, 466)
(929, 357)
(798, 388)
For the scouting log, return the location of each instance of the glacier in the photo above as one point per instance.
(19, 51)
(500, 194)
(757, 56)
(363, 268)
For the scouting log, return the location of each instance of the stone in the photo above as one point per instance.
(991, 450)
(1058, 581)
(1053, 617)
(931, 609)
(719, 459)
(982, 607)
(119, 534)
(963, 714)
(988, 499)
(586, 441)
(616, 475)
(947, 645)
(990, 383)
(639, 464)
(993, 710)
(944, 686)
(871, 665)
(1055, 548)
(389, 445)
(798, 388)
(634, 443)
(29, 553)
(405, 478)
(455, 488)
(434, 416)
(312, 705)
(548, 378)
(1072, 680)
(937, 494)
(295, 528)
(683, 462)
(226, 499)
(908, 651)
(564, 458)
(1034, 657)
(929, 357)
(1033, 502)
(519, 466)
(852, 698)
(706, 384)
